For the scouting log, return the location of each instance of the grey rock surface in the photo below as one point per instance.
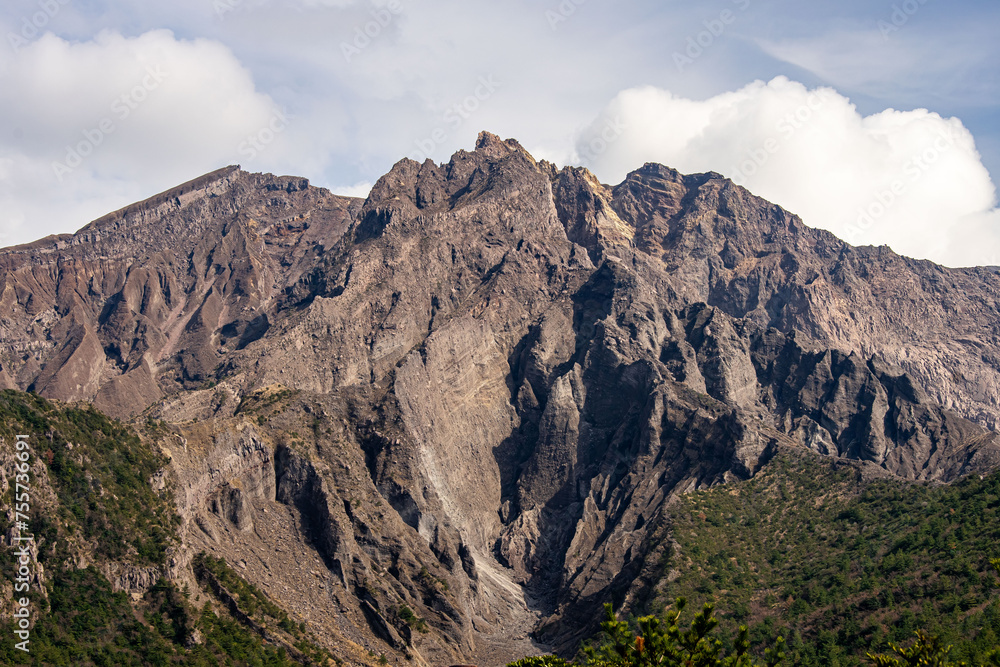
(473, 393)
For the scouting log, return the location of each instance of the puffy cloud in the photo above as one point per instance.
(415, 88)
(909, 179)
(95, 125)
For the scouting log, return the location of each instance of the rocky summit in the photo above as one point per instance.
(472, 395)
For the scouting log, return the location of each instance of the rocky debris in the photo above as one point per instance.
(472, 395)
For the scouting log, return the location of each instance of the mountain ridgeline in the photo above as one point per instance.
(449, 422)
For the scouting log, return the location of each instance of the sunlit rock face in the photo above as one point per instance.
(472, 393)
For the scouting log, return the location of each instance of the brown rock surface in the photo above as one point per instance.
(473, 393)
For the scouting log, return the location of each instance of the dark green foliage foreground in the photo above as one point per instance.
(840, 568)
(652, 642)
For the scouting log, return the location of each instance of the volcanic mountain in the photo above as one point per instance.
(473, 394)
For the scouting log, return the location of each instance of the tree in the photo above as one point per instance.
(929, 650)
(664, 643)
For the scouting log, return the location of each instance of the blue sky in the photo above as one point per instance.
(106, 102)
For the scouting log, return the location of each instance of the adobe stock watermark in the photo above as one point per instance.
(22, 554)
(611, 131)
(33, 25)
(255, 143)
(562, 12)
(121, 108)
(223, 7)
(698, 43)
(455, 116)
(901, 15)
(366, 33)
(786, 127)
(883, 200)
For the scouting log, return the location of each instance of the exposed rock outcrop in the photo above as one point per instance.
(472, 394)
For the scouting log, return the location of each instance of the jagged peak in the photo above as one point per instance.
(464, 362)
(660, 171)
(494, 147)
(588, 176)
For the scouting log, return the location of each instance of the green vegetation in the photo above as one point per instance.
(412, 620)
(650, 642)
(262, 614)
(849, 571)
(841, 568)
(263, 399)
(84, 623)
(100, 471)
(541, 661)
(668, 643)
(252, 600)
(432, 581)
(927, 650)
(87, 624)
(930, 650)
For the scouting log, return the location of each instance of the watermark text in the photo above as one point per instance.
(32, 26)
(121, 108)
(22, 554)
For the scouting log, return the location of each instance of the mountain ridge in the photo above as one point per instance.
(491, 371)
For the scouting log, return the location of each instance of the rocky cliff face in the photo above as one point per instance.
(147, 300)
(473, 393)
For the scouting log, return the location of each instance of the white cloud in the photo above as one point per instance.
(357, 190)
(909, 179)
(348, 120)
(399, 83)
(96, 125)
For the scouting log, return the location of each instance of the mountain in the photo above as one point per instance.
(475, 395)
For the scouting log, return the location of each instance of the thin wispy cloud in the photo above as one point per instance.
(898, 68)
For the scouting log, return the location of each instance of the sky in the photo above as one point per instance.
(879, 121)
